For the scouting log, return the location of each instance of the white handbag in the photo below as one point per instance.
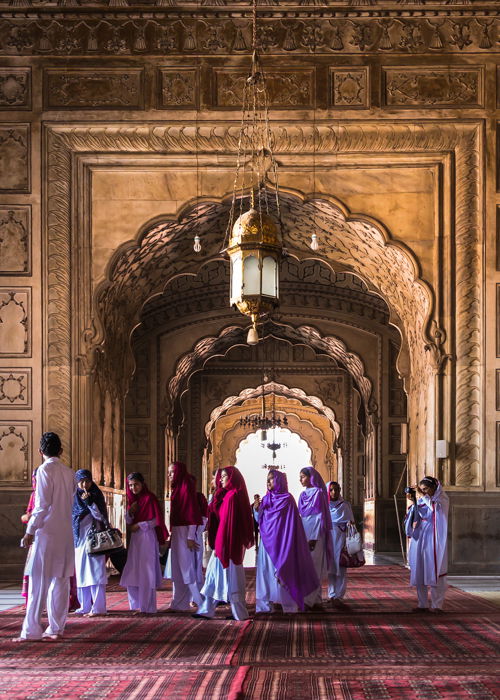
(103, 541)
(353, 541)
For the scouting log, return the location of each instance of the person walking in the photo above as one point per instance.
(52, 556)
(285, 569)
(225, 576)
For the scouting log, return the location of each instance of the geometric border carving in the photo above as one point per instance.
(103, 88)
(432, 86)
(462, 138)
(22, 375)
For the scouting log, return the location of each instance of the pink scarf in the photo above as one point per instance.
(184, 506)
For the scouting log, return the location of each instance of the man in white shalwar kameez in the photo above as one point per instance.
(426, 525)
(52, 559)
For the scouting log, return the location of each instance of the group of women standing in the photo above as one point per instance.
(300, 544)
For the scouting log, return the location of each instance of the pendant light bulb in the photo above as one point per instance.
(314, 242)
(197, 244)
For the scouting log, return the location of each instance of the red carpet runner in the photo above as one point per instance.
(374, 649)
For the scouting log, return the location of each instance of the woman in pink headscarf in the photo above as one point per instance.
(225, 576)
(142, 573)
(185, 518)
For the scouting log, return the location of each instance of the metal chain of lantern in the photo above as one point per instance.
(254, 235)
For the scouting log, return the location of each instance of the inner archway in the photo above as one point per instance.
(254, 456)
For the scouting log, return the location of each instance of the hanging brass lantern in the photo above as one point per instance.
(255, 249)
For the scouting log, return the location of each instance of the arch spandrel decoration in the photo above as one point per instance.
(64, 343)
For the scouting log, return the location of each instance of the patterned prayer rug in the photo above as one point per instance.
(373, 649)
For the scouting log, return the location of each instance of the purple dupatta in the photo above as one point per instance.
(284, 540)
(313, 501)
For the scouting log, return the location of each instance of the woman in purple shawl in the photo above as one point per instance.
(285, 570)
(315, 514)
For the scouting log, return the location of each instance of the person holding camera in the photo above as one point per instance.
(426, 524)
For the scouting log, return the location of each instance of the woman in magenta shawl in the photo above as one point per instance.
(225, 576)
(285, 570)
(142, 573)
(315, 513)
(185, 518)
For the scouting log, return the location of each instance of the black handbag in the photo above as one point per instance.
(103, 541)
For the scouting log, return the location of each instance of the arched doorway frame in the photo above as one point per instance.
(69, 339)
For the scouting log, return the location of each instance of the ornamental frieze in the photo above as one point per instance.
(433, 87)
(167, 35)
(95, 89)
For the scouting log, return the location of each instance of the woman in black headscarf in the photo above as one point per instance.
(88, 505)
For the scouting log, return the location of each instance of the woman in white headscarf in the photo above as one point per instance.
(426, 525)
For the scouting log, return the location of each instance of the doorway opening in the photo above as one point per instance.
(254, 455)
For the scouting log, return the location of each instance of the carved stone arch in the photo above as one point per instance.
(70, 151)
(321, 457)
(269, 388)
(231, 336)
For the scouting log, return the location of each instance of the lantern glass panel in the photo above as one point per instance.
(236, 277)
(251, 276)
(269, 277)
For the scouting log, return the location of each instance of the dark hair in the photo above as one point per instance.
(135, 476)
(50, 444)
(334, 483)
(306, 471)
(429, 481)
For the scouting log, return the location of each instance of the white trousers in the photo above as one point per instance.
(52, 593)
(437, 594)
(92, 599)
(238, 608)
(318, 557)
(184, 593)
(337, 583)
(143, 599)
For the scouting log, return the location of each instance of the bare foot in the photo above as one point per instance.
(23, 639)
(51, 637)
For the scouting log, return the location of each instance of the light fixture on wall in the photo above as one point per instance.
(254, 235)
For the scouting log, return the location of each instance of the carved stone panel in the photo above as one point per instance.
(178, 88)
(15, 88)
(349, 87)
(15, 322)
(137, 439)
(116, 88)
(286, 89)
(15, 240)
(15, 388)
(14, 158)
(15, 457)
(433, 87)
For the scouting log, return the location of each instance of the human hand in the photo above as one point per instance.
(134, 527)
(312, 545)
(25, 518)
(192, 545)
(84, 495)
(133, 508)
(27, 541)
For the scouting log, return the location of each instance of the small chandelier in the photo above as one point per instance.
(255, 244)
(263, 422)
